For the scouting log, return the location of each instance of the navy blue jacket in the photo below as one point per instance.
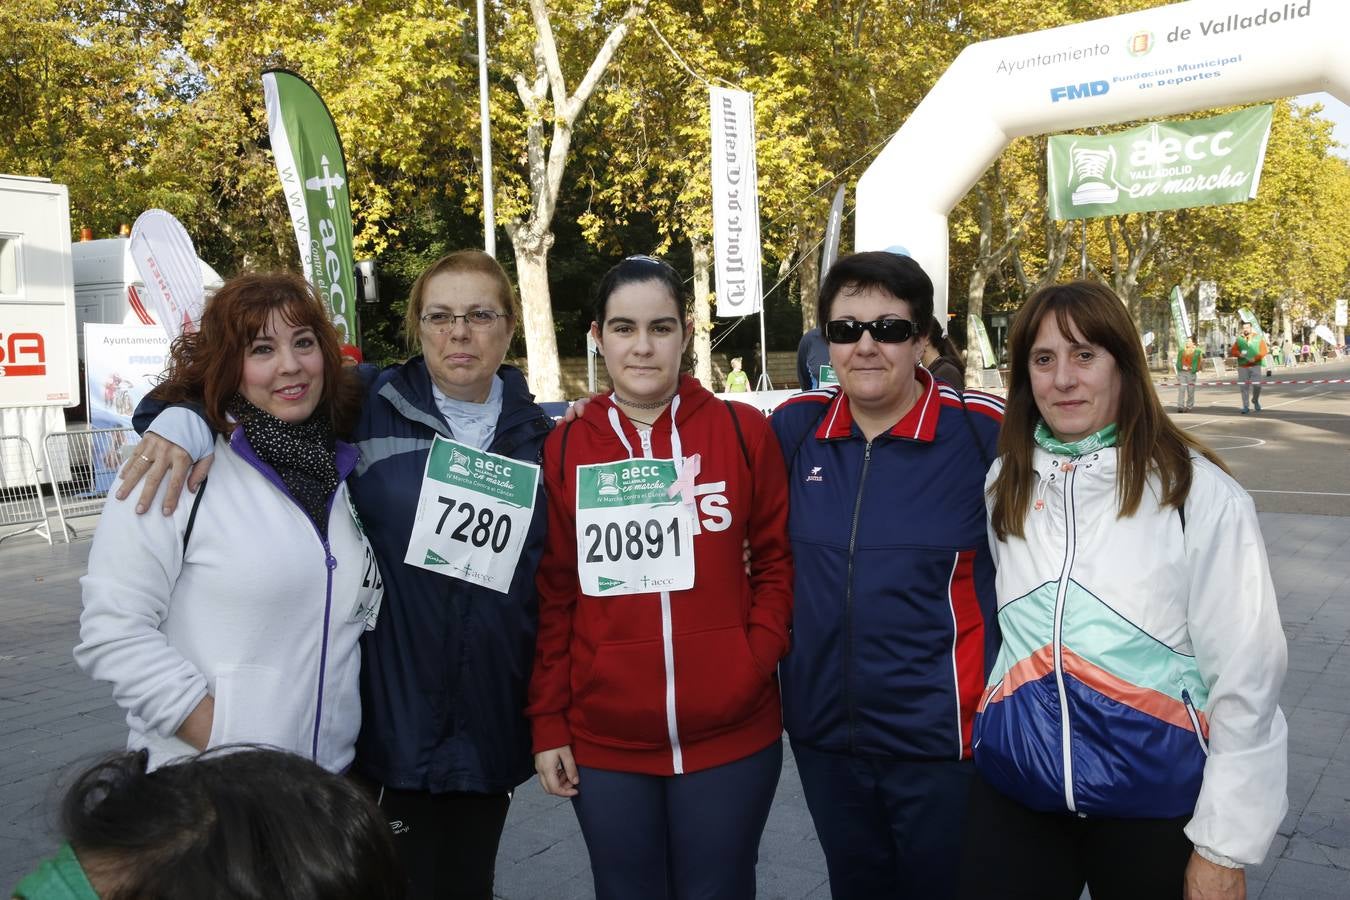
(894, 623)
(444, 674)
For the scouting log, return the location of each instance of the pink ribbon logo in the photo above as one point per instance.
(684, 485)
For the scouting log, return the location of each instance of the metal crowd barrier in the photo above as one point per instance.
(21, 500)
(93, 459)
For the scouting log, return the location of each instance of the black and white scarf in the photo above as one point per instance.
(304, 454)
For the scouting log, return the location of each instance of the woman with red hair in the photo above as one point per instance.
(237, 619)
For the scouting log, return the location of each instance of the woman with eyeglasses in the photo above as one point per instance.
(448, 491)
(893, 628)
(654, 700)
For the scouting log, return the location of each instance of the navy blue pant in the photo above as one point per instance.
(889, 827)
(677, 837)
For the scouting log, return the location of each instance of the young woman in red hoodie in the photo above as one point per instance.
(654, 699)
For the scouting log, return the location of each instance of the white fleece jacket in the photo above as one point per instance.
(247, 616)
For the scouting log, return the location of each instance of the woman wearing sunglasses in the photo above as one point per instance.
(654, 701)
(893, 620)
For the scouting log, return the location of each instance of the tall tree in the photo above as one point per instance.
(549, 111)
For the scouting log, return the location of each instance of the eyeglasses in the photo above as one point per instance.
(477, 319)
(886, 331)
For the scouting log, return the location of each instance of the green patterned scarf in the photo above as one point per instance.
(1093, 442)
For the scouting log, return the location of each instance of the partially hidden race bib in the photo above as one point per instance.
(632, 536)
(473, 514)
(370, 595)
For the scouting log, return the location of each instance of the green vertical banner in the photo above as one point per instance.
(1165, 165)
(1181, 323)
(313, 173)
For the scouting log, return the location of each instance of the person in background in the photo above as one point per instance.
(220, 826)
(1250, 349)
(351, 355)
(812, 354)
(238, 619)
(893, 628)
(654, 698)
(1130, 737)
(1289, 353)
(941, 358)
(1188, 364)
(444, 739)
(737, 380)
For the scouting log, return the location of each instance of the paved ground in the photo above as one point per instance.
(1292, 457)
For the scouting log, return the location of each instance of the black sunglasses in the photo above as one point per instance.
(887, 331)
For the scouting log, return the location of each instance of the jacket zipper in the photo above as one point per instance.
(848, 605)
(330, 563)
(1070, 539)
(1195, 721)
(668, 650)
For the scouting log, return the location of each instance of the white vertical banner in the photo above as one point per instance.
(831, 251)
(1209, 298)
(735, 195)
(1340, 312)
(164, 257)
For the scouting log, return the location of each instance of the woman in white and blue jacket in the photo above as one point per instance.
(238, 618)
(1129, 738)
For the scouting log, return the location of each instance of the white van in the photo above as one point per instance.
(38, 370)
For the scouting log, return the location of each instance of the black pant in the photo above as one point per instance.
(446, 842)
(1014, 853)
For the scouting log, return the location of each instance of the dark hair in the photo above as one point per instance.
(234, 823)
(208, 364)
(900, 276)
(943, 344)
(458, 261)
(636, 270)
(1148, 441)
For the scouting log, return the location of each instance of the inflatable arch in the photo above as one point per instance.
(1173, 59)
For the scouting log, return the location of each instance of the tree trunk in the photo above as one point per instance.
(702, 313)
(541, 341)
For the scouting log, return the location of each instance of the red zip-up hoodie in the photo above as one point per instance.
(678, 681)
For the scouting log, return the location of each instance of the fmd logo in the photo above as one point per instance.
(1078, 91)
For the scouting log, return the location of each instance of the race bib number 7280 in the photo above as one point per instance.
(473, 514)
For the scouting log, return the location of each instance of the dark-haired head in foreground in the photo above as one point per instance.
(232, 824)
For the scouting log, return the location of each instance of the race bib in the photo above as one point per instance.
(827, 376)
(370, 594)
(473, 514)
(633, 537)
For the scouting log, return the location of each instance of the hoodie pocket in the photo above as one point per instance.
(1200, 736)
(718, 683)
(623, 698)
(253, 707)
